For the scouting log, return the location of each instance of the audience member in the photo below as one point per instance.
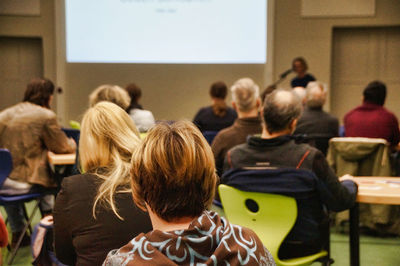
(29, 130)
(246, 103)
(274, 150)
(110, 93)
(3, 237)
(94, 212)
(173, 178)
(217, 116)
(314, 122)
(299, 65)
(143, 119)
(371, 119)
(301, 93)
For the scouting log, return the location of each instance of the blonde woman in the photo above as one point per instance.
(174, 179)
(94, 212)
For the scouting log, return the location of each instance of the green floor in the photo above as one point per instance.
(373, 250)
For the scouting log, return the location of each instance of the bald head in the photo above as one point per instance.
(315, 94)
(281, 108)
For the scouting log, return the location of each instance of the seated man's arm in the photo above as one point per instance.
(55, 139)
(336, 195)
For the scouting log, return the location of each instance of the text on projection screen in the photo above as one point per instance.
(166, 31)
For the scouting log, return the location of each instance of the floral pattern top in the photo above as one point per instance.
(209, 240)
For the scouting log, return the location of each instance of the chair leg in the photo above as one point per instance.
(26, 218)
(14, 252)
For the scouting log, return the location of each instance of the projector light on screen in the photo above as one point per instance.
(166, 31)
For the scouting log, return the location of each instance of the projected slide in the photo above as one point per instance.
(166, 31)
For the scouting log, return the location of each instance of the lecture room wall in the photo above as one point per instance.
(177, 91)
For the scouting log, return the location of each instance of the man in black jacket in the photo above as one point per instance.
(312, 182)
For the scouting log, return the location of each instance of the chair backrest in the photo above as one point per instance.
(270, 216)
(6, 165)
(209, 136)
(73, 133)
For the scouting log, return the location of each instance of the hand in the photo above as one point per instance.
(346, 177)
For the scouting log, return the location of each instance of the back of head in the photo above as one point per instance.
(315, 94)
(173, 172)
(218, 91)
(134, 92)
(245, 93)
(281, 107)
(110, 93)
(39, 91)
(108, 138)
(375, 93)
(300, 92)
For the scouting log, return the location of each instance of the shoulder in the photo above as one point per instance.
(81, 182)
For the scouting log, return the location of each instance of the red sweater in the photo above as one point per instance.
(372, 121)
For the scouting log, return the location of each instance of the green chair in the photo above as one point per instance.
(270, 216)
(75, 124)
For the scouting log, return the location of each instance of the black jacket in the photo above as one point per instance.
(82, 240)
(280, 166)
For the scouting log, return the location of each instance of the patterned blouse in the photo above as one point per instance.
(209, 240)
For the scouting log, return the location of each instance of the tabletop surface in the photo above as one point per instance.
(379, 190)
(61, 159)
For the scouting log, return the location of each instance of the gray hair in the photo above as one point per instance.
(315, 94)
(245, 93)
(281, 107)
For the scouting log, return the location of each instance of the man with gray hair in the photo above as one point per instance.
(316, 125)
(246, 103)
(274, 163)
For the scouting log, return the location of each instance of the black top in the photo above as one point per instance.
(206, 120)
(302, 82)
(82, 240)
(318, 127)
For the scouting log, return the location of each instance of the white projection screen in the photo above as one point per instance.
(166, 31)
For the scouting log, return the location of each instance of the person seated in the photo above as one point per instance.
(3, 237)
(217, 116)
(246, 103)
(299, 65)
(275, 149)
(143, 119)
(94, 212)
(371, 119)
(173, 178)
(314, 122)
(29, 130)
(110, 93)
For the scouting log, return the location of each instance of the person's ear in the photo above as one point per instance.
(234, 106)
(293, 125)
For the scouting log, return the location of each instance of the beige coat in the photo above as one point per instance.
(28, 131)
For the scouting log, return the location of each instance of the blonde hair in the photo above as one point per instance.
(245, 93)
(110, 93)
(173, 171)
(108, 138)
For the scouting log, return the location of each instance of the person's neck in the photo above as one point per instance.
(266, 135)
(301, 75)
(252, 113)
(217, 101)
(162, 225)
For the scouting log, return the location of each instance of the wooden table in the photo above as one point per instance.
(61, 159)
(377, 190)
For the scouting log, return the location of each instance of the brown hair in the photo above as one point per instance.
(219, 90)
(38, 91)
(173, 171)
(135, 93)
(302, 61)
